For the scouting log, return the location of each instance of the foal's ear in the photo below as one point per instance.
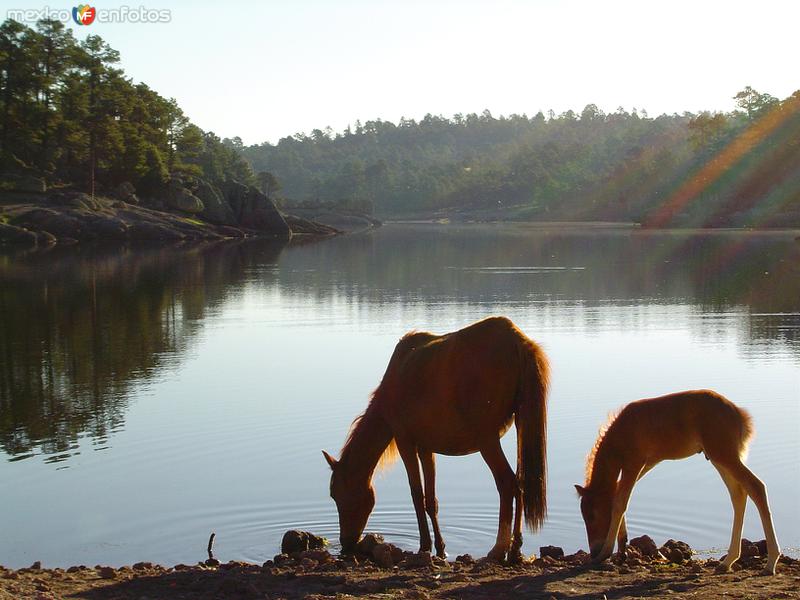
(331, 461)
(581, 490)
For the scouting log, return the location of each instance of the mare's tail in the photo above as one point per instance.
(531, 422)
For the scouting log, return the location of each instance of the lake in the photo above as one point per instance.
(150, 396)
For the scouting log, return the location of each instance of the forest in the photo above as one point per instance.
(705, 169)
(70, 117)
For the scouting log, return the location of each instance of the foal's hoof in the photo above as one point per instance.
(722, 569)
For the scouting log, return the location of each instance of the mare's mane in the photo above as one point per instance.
(361, 424)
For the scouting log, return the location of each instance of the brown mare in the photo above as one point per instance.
(671, 427)
(451, 394)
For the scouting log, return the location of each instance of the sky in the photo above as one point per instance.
(266, 70)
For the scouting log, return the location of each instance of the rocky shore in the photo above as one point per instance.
(380, 570)
(184, 210)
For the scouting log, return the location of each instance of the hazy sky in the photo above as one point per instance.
(264, 70)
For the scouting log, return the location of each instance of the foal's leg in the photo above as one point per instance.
(618, 508)
(431, 504)
(408, 453)
(758, 492)
(739, 501)
(506, 482)
(622, 535)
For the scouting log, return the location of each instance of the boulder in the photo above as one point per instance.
(253, 210)
(551, 551)
(16, 182)
(60, 224)
(749, 549)
(419, 560)
(382, 555)
(126, 192)
(676, 552)
(300, 541)
(184, 200)
(645, 545)
(215, 208)
(11, 234)
(367, 544)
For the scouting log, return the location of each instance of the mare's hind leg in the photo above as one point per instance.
(739, 501)
(431, 504)
(758, 492)
(506, 482)
(408, 453)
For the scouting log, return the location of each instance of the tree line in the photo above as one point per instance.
(69, 115)
(623, 165)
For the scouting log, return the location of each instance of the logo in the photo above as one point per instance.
(84, 14)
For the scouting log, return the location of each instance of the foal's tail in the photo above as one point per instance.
(530, 419)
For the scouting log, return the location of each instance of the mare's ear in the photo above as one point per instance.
(581, 490)
(331, 461)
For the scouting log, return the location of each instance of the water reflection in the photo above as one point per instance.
(79, 326)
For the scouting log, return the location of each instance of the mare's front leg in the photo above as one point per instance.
(507, 486)
(618, 508)
(431, 504)
(408, 452)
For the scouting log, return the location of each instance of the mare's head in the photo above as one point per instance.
(596, 511)
(354, 499)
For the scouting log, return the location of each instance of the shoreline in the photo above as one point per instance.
(318, 575)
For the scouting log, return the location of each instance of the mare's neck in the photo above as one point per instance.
(368, 441)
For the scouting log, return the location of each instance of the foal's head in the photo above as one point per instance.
(596, 511)
(354, 500)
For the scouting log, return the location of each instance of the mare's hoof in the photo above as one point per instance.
(515, 557)
(496, 555)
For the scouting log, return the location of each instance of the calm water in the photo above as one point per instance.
(151, 396)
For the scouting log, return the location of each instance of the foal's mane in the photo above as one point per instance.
(601, 435)
(362, 424)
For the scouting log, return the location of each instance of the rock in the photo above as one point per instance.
(215, 208)
(308, 564)
(419, 560)
(300, 541)
(761, 546)
(37, 566)
(551, 551)
(107, 573)
(253, 210)
(11, 234)
(382, 555)
(126, 192)
(185, 201)
(749, 549)
(367, 544)
(579, 558)
(321, 556)
(106, 228)
(60, 224)
(645, 545)
(465, 559)
(676, 552)
(146, 230)
(21, 183)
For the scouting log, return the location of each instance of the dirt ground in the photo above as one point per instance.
(316, 575)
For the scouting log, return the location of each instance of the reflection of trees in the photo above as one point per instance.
(79, 327)
(748, 273)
